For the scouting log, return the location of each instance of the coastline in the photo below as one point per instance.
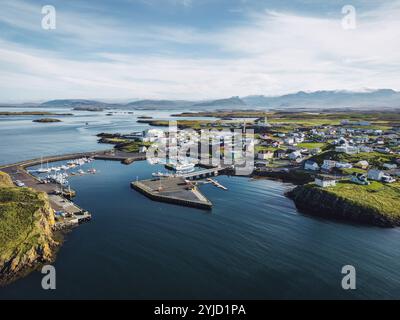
(319, 202)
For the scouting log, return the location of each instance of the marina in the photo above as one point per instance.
(53, 180)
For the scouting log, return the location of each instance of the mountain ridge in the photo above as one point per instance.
(387, 98)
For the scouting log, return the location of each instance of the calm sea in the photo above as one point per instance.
(253, 244)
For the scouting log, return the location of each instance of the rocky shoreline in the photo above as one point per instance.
(319, 202)
(35, 242)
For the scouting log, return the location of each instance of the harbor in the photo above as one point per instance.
(52, 180)
(180, 188)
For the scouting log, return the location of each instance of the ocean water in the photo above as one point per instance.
(254, 244)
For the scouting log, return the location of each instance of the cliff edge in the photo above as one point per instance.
(26, 235)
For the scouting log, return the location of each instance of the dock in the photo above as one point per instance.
(201, 174)
(217, 184)
(173, 190)
(112, 155)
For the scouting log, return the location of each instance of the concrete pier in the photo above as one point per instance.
(173, 190)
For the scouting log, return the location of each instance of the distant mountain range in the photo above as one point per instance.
(327, 99)
(383, 98)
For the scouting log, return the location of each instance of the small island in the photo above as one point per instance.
(47, 120)
(88, 108)
(145, 117)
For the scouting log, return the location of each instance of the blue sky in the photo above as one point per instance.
(194, 49)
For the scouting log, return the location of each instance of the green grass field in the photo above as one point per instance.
(312, 145)
(21, 219)
(374, 158)
(385, 198)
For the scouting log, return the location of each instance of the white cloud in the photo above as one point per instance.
(274, 53)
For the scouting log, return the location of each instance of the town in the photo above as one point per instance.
(354, 156)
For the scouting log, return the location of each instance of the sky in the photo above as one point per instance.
(123, 50)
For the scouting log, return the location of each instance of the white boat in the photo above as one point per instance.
(187, 167)
(59, 178)
(41, 169)
(181, 166)
(161, 174)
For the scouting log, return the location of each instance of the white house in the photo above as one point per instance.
(347, 149)
(295, 155)
(360, 179)
(382, 150)
(376, 174)
(325, 182)
(366, 149)
(311, 165)
(363, 164)
(344, 165)
(390, 166)
(328, 165)
(289, 141)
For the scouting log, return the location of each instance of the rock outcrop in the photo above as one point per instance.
(26, 232)
(319, 202)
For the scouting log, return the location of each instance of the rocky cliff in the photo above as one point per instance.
(313, 200)
(26, 235)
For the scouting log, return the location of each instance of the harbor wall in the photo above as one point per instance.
(157, 197)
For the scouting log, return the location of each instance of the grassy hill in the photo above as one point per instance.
(26, 237)
(374, 204)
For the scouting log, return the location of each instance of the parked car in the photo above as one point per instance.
(19, 183)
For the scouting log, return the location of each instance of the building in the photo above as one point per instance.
(390, 166)
(347, 149)
(363, 164)
(325, 182)
(289, 141)
(311, 165)
(360, 179)
(295, 155)
(376, 175)
(344, 165)
(265, 155)
(142, 149)
(315, 151)
(366, 149)
(328, 165)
